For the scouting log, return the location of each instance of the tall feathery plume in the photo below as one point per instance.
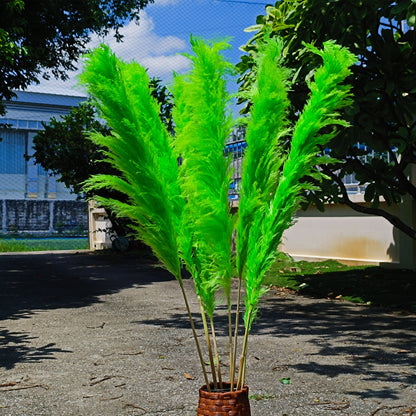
(263, 159)
(203, 125)
(140, 149)
(267, 221)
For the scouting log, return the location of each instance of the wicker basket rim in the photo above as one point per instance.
(203, 391)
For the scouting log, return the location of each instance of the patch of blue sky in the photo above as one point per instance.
(206, 18)
(163, 34)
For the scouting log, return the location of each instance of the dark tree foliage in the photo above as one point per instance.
(381, 33)
(63, 149)
(48, 36)
(165, 100)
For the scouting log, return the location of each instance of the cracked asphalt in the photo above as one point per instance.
(106, 335)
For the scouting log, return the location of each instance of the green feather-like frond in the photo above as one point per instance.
(328, 96)
(140, 150)
(203, 124)
(266, 125)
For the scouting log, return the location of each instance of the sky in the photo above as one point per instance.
(163, 34)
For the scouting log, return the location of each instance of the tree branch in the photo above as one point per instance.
(392, 219)
(398, 178)
(391, 26)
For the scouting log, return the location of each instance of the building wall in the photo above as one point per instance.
(21, 178)
(346, 235)
(32, 199)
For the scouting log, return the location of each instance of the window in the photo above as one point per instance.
(12, 151)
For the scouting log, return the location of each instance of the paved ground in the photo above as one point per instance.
(85, 334)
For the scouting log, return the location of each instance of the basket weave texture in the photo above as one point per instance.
(223, 403)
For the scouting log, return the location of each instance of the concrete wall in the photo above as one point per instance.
(43, 216)
(344, 234)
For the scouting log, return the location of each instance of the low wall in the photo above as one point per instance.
(339, 233)
(43, 216)
(343, 234)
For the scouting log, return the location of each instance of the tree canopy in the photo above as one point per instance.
(380, 145)
(41, 36)
(63, 149)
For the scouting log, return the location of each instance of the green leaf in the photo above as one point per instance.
(319, 204)
(285, 381)
(401, 7)
(411, 19)
(253, 28)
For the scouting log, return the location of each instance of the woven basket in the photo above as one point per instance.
(224, 402)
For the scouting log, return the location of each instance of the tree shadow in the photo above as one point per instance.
(35, 282)
(392, 288)
(30, 282)
(372, 345)
(368, 343)
(16, 347)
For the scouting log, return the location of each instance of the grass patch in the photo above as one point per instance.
(392, 288)
(42, 244)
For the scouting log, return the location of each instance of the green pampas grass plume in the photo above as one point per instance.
(182, 213)
(265, 128)
(269, 221)
(265, 213)
(203, 124)
(140, 150)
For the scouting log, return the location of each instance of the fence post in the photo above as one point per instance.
(51, 215)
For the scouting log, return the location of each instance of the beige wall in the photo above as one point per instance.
(408, 215)
(344, 234)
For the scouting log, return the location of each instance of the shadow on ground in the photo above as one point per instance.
(34, 282)
(343, 339)
(337, 338)
(30, 282)
(16, 347)
(392, 288)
